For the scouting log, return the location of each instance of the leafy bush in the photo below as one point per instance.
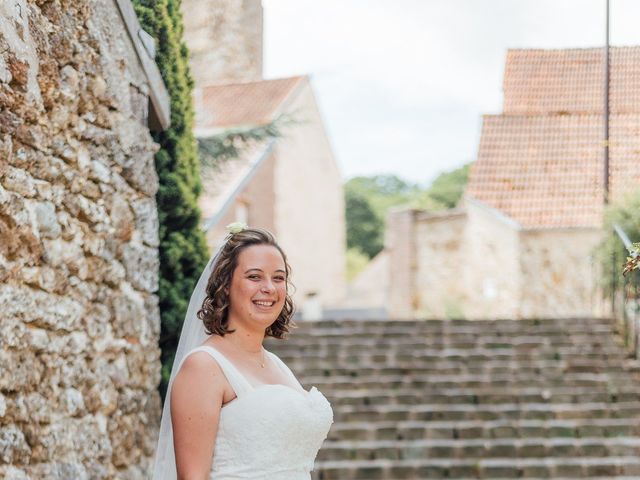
(611, 253)
(183, 248)
(365, 228)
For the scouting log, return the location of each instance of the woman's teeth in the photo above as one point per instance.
(264, 304)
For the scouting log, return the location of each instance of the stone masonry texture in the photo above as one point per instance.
(79, 319)
(224, 39)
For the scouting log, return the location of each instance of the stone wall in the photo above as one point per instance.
(491, 266)
(480, 264)
(399, 243)
(79, 361)
(224, 39)
(559, 272)
(439, 282)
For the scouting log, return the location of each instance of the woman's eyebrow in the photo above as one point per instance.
(260, 270)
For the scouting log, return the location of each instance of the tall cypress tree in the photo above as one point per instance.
(183, 248)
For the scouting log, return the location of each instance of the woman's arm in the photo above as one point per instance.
(196, 400)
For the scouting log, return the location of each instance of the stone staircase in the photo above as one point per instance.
(457, 399)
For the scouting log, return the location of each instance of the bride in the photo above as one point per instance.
(233, 409)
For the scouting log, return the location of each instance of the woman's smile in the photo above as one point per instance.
(264, 304)
(259, 278)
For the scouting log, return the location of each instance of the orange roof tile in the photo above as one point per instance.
(251, 103)
(546, 171)
(541, 161)
(560, 81)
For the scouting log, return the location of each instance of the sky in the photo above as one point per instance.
(403, 84)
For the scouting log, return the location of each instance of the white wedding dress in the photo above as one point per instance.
(270, 431)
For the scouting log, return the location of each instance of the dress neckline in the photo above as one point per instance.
(258, 386)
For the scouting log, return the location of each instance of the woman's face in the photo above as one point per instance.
(258, 286)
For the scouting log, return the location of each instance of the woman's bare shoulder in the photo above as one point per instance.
(200, 366)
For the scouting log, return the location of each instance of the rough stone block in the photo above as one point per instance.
(40, 308)
(13, 445)
(19, 369)
(146, 218)
(9, 472)
(142, 265)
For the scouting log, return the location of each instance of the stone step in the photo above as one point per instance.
(450, 368)
(503, 411)
(527, 394)
(490, 429)
(416, 342)
(481, 448)
(474, 363)
(494, 325)
(398, 331)
(363, 354)
(464, 355)
(325, 367)
(548, 398)
(434, 383)
(375, 335)
(462, 469)
(402, 336)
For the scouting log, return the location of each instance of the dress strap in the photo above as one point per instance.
(283, 366)
(238, 382)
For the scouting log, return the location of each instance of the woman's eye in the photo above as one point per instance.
(254, 277)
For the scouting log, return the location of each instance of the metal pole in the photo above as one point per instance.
(606, 108)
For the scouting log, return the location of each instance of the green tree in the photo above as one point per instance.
(183, 248)
(382, 191)
(368, 199)
(365, 228)
(448, 187)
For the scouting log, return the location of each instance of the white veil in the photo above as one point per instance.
(191, 336)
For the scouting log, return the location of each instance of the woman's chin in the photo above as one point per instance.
(265, 318)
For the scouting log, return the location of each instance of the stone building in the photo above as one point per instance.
(224, 39)
(290, 185)
(522, 243)
(225, 44)
(79, 318)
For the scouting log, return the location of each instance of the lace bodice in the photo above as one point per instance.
(269, 431)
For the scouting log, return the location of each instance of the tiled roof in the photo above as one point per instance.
(238, 104)
(561, 81)
(546, 170)
(541, 161)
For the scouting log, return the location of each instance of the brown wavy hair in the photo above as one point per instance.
(215, 307)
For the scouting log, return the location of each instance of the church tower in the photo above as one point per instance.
(225, 40)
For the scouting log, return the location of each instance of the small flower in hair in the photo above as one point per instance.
(236, 227)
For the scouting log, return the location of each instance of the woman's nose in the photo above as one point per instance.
(268, 286)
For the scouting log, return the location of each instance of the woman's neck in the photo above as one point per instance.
(246, 340)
